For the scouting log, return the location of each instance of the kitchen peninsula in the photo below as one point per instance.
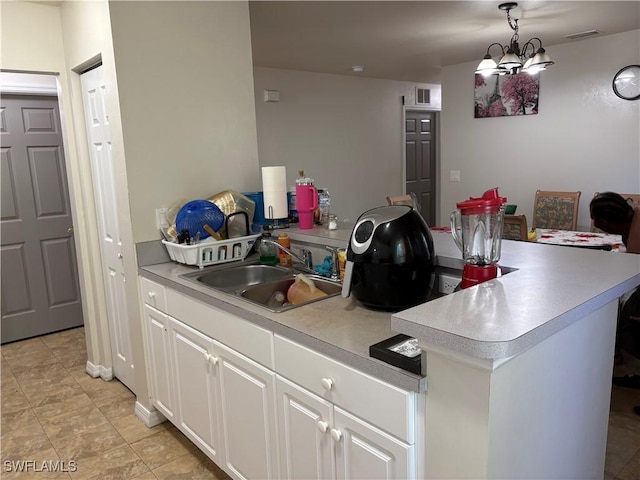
(518, 370)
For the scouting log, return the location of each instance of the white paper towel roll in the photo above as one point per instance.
(274, 192)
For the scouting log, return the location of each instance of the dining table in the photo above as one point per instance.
(569, 238)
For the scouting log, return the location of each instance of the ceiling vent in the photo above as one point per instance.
(423, 96)
(586, 33)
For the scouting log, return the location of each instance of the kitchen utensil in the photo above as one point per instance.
(197, 213)
(211, 232)
(476, 227)
(390, 259)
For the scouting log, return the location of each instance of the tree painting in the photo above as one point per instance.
(499, 96)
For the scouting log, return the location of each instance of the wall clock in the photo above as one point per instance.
(626, 83)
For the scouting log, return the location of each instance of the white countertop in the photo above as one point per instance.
(552, 287)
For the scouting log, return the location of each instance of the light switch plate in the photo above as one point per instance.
(454, 175)
(161, 220)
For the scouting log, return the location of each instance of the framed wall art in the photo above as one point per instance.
(506, 95)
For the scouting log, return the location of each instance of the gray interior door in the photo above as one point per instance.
(420, 161)
(40, 291)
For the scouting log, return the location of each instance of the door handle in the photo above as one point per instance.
(120, 257)
(70, 231)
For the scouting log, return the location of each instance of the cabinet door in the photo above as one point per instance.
(160, 361)
(247, 411)
(305, 420)
(363, 451)
(196, 404)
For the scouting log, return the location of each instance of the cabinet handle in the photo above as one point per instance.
(336, 434)
(323, 426)
(207, 357)
(152, 295)
(213, 360)
(327, 384)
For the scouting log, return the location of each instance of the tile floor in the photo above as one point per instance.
(53, 411)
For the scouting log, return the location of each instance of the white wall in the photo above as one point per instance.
(344, 132)
(186, 97)
(583, 138)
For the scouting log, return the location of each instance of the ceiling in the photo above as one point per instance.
(412, 41)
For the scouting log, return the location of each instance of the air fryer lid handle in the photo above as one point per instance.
(369, 221)
(346, 283)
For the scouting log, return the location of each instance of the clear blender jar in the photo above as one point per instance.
(477, 227)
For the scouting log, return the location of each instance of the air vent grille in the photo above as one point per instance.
(586, 33)
(423, 96)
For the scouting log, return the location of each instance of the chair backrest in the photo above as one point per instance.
(404, 200)
(633, 198)
(515, 227)
(556, 210)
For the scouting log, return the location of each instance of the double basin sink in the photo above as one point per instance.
(259, 284)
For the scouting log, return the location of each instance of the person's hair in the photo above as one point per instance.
(612, 207)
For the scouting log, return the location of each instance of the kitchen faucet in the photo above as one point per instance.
(304, 258)
(335, 270)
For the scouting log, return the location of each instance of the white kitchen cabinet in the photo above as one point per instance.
(320, 439)
(248, 415)
(305, 420)
(159, 361)
(364, 451)
(196, 387)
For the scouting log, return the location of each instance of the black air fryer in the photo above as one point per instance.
(390, 259)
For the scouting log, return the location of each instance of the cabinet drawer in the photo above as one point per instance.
(153, 294)
(245, 337)
(386, 406)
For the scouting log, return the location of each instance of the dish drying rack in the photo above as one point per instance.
(211, 251)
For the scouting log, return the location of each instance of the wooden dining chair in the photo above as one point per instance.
(557, 210)
(515, 227)
(632, 198)
(401, 200)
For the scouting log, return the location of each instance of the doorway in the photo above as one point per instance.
(94, 97)
(40, 285)
(420, 161)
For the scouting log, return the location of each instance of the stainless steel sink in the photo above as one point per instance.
(256, 283)
(241, 276)
(262, 294)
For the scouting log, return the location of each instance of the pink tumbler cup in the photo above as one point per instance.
(306, 203)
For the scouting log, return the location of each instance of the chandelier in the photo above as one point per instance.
(513, 58)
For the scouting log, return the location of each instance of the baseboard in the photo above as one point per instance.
(150, 418)
(99, 371)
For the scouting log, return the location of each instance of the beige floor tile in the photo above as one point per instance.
(61, 339)
(192, 466)
(114, 408)
(45, 391)
(146, 476)
(88, 443)
(17, 419)
(162, 447)
(13, 398)
(62, 404)
(73, 423)
(99, 390)
(46, 372)
(132, 429)
(631, 470)
(24, 348)
(26, 444)
(622, 444)
(119, 463)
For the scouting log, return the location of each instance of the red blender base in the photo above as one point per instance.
(475, 274)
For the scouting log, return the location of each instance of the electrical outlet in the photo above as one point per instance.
(447, 283)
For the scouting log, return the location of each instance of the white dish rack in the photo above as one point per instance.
(211, 251)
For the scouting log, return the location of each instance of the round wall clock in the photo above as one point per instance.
(626, 83)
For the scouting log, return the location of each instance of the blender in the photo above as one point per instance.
(476, 227)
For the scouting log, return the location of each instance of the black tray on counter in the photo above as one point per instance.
(384, 351)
